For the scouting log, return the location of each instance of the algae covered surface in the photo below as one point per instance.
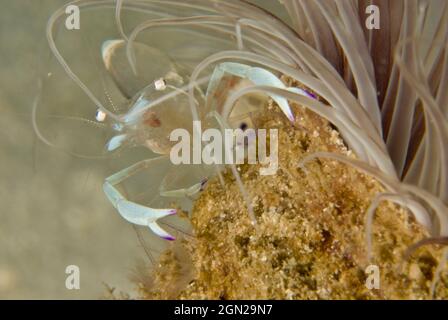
(309, 240)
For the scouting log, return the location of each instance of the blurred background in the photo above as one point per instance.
(53, 212)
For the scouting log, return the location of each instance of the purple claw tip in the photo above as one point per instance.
(311, 95)
(173, 211)
(169, 238)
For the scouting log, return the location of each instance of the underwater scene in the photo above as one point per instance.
(224, 150)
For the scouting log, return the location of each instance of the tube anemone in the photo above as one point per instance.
(385, 90)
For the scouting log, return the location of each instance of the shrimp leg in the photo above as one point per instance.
(189, 192)
(131, 211)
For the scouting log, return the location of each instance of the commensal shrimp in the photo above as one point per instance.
(150, 126)
(162, 96)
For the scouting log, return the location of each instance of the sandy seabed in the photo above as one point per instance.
(310, 237)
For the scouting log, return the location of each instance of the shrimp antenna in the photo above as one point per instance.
(142, 241)
(50, 38)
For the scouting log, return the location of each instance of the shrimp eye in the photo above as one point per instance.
(100, 115)
(243, 126)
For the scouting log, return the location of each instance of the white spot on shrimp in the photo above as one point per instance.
(100, 115)
(160, 84)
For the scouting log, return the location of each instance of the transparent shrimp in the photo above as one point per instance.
(150, 97)
(149, 125)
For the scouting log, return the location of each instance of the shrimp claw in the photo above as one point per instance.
(131, 211)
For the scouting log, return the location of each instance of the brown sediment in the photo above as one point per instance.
(310, 240)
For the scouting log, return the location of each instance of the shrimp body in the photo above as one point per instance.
(149, 124)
